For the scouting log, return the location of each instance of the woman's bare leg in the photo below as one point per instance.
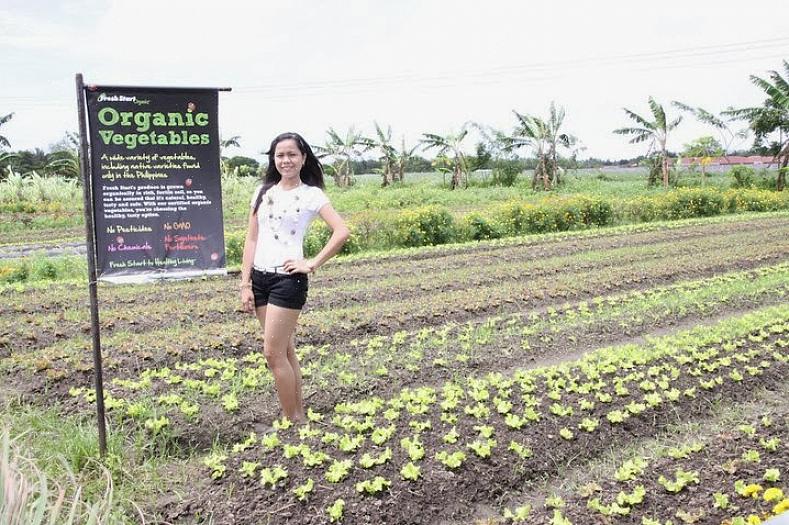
(278, 325)
(294, 363)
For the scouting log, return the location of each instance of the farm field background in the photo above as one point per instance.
(630, 374)
(52, 207)
(42, 232)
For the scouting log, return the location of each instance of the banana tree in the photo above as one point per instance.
(343, 150)
(655, 131)
(402, 157)
(64, 158)
(771, 119)
(224, 144)
(545, 137)
(232, 142)
(4, 141)
(450, 148)
(383, 142)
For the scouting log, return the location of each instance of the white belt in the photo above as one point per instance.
(273, 269)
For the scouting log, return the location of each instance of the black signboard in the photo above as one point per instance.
(155, 182)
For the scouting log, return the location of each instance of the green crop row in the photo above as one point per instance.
(383, 447)
(35, 328)
(53, 333)
(361, 365)
(737, 476)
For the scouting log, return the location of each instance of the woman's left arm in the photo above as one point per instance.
(339, 235)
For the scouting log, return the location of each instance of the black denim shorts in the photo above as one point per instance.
(283, 290)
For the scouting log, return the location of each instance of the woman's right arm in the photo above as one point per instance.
(250, 244)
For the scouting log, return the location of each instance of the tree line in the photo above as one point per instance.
(549, 150)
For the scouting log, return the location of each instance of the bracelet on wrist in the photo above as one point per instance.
(245, 285)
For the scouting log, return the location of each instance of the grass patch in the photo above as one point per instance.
(38, 268)
(64, 449)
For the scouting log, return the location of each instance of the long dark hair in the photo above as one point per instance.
(311, 172)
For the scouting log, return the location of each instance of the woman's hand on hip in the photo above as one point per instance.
(299, 266)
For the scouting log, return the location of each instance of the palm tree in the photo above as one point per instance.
(771, 117)
(388, 159)
(393, 161)
(224, 144)
(545, 137)
(5, 164)
(232, 142)
(343, 150)
(450, 144)
(4, 141)
(655, 131)
(402, 157)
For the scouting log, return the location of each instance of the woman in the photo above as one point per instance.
(273, 270)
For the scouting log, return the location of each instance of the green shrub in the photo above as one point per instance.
(569, 215)
(505, 172)
(371, 230)
(597, 212)
(477, 227)
(424, 226)
(14, 273)
(765, 180)
(687, 203)
(318, 235)
(234, 247)
(44, 269)
(541, 218)
(755, 200)
(743, 176)
(513, 217)
(553, 214)
(698, 202)
(640, 209)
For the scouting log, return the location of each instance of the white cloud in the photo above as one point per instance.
(418, 65)
(27, 32)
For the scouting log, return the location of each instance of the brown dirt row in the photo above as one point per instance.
(443, 494)
(131, 358)
(343, 274)
(531, 248)
(501, 353)
(32, 330)
(319, 327)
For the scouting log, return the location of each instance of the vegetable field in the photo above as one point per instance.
(454, 384)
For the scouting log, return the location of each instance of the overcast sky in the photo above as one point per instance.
(417, 65)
